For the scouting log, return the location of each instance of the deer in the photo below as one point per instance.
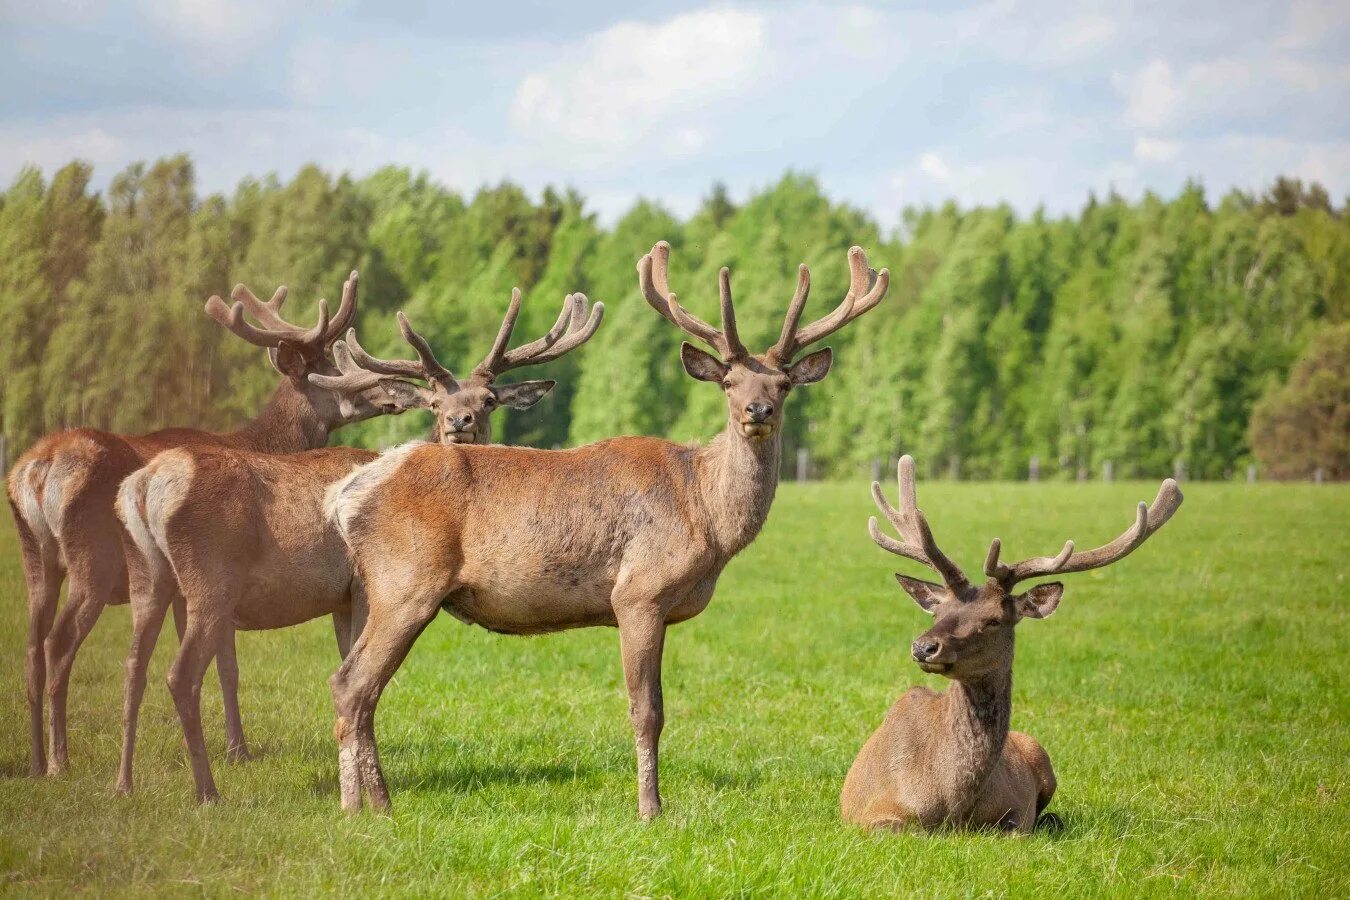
(630, 532)
(62, 491)
(280, 563)
(948, 760)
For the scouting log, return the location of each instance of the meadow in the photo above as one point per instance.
(1194, 699)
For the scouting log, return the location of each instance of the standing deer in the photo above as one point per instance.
(949, 759)
(279, 562)
(630, 532)
(62, 493)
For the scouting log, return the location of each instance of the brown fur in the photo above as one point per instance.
(282, 563)
(631, 532)
(949, 760)
(277, 566)
(62, 492)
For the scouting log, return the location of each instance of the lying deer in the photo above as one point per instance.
(278, 562)
(631, 532)
(949, 759)
(62, 491)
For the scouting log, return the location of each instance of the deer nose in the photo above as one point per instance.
(462, 421)
(925, 649)
(759, 412)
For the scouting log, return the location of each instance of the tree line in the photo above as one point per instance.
(1143, 333)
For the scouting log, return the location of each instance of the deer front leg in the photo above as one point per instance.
(642, 634)
(227, 670)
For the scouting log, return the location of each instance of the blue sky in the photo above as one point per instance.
(888, 104)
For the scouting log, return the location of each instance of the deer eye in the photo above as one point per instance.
(490, 403)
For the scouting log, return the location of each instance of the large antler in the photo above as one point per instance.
(654, 278)
(573, 328)
(362, 371)
(866, 289)
(1148, 519)
(275, 329)
(916, 541)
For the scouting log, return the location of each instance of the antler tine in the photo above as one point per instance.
(569, 317)
(405, 368)
(346, 309)
(491, 364)
(730, 335)
(353, 380)
(900, 548)
(653, 277)
(432, 370)
(267, 313)
(1148, 519)
(866, 290)
(574, 337)
(912, 525)
(276, 328)
(783, 350)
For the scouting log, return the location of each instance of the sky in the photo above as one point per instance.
(888, 104)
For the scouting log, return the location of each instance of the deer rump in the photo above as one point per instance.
(520, 538)
(286, 571)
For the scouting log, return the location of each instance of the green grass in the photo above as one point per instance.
(1194, 699)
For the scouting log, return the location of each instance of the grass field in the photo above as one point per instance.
(1194, 699)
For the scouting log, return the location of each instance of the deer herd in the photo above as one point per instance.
(265, 527)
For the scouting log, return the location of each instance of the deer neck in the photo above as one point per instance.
(976, 713)
(287, 424)
(737, 478)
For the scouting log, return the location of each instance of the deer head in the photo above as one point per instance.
(299, 353)
(757, 385)
(463, 407)
(972, 632)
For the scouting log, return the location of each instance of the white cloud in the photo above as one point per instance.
(934, 166)
(630, 82)
(1152, 94)
(1157, 97)
(1155, 149)
(1313, 22)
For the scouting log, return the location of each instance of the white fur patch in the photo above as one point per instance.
(158, 489)
(343, 499)
(27, 487)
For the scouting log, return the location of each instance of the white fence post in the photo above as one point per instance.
(803, 462)
(1108, 471)
(1034, 469)
(1251, 474)
(1319, 475)
(876, 468)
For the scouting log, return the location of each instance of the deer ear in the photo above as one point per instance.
(1039, 602)
(810, 369)
(406, 396)
(524, 394)
(701, 365)
(925, 593)
(289, 361)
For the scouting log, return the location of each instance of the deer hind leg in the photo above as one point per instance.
(642, 633)
(200, 643)
(151, 596)
(227, 670)
(43, 574)
(357, 685)
(91, 586)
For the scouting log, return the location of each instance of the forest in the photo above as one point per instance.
(1193, 333)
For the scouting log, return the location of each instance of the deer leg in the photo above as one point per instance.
(342, 630)
(200, 642)
(89, 591)
(356, 686)
(150, 600)
(227, 670)
(641, 640)
(43, 574)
